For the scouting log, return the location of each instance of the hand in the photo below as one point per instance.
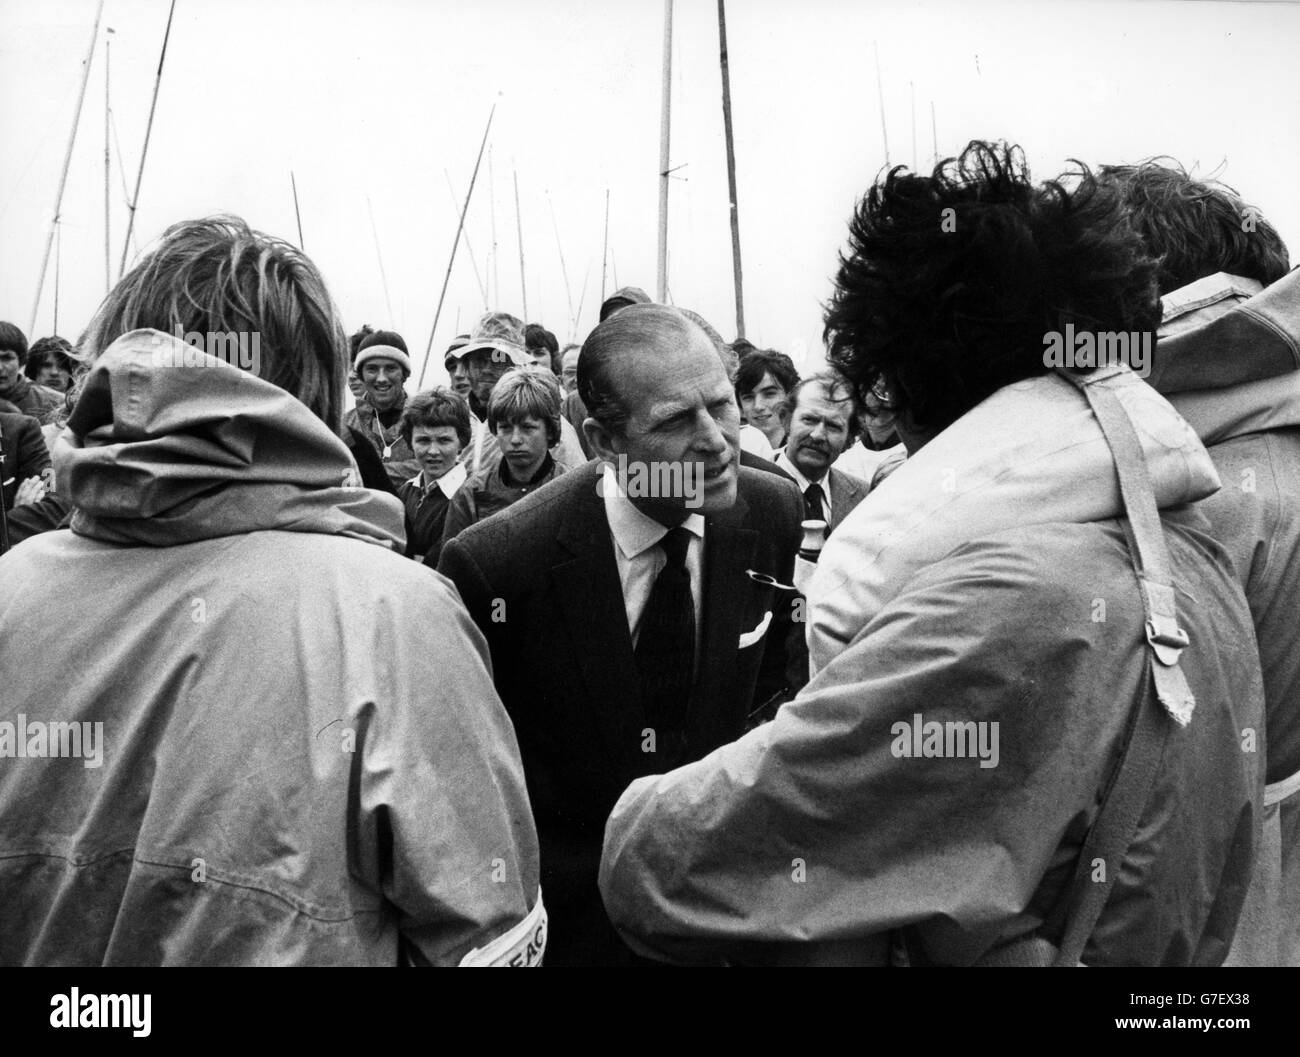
(31, 490)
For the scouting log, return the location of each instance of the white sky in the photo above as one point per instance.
(378, 99)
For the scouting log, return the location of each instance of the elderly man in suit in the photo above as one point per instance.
(821, 420)
(633, 627)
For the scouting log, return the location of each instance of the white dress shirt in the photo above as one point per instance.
(640, 559)
(783, 461)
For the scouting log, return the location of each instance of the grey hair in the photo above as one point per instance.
(646, 326)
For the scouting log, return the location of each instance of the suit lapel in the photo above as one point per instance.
(845, 495)
(591, 605)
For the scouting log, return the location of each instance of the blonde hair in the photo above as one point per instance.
(219, 275)
(523, 392)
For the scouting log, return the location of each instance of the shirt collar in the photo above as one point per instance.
(547, 466)
(449, 483)
(783, 461)
(633, 531)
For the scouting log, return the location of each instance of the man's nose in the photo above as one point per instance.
(708, 435)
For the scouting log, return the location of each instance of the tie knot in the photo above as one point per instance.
(813, 493)
(675, 545)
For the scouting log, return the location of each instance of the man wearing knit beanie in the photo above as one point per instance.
(384, 365)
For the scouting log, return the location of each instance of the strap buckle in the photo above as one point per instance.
(1166, 638)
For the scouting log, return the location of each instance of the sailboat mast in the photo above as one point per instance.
(665, 136)
(67, 161)
(495, 288)
(469, 243)
(731, 171)
(519, 225)
(911, 88)
(296, 212)
(880, 93)
(144, 152)
(108, 212)
(564, 271)
(604, 253)
(456, 242)
(383, 276)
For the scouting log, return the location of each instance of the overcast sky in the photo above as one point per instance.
(376, 101)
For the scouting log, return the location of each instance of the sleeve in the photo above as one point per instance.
(443, 806)
(33, 455)
(34, 518)
(458, 565)
(843, 819)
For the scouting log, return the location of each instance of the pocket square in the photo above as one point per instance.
(751, 637)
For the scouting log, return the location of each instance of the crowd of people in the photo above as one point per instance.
(654, 647)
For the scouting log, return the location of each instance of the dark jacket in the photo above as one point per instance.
(426, 514)
(373, 474)
(25, 454)
(39, 401)
(487, 493)
(542, 583)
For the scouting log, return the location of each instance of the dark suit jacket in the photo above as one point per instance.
(541, 582)
(847, 492)
(25, 454)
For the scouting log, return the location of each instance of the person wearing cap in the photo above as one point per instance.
(621, 298)
(496, 346)
(455, 369)
(355, 386)
(383, 365)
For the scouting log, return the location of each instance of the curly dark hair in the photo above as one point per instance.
(1196, 227)
(952, 281)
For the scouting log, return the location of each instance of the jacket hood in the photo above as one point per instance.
(1228, 355)
(1030, 454)
(170, 445)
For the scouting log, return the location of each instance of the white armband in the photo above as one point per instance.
(520, 948)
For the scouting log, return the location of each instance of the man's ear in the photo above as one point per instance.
(600, 439)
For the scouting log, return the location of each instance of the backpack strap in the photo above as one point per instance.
(1149, 727)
